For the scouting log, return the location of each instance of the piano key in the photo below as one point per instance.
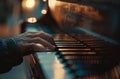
(99, 43)
(63, 54)
(69, 57)
(69, 44)
(73, 49)
(66, 42)
(82, 53)
(72, 46)
(72, 62)
(52, 67)
(78, 53)
(99, 49)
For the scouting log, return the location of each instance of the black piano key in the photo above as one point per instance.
(81, 54)
(87, 62)
(65, 40)
(83, 57)
(99, 49)
(98, 43)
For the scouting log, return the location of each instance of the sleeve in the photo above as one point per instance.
(9, 55)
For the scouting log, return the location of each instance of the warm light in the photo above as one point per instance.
(28, 4)
(52, 3)
(44, 0)
(32, 20)
(44, 11)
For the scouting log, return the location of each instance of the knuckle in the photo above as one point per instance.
(42, 33)
(37, 38)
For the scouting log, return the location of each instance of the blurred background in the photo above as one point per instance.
(94, 15)
(14, 12)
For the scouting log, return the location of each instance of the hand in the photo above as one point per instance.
(34, 41)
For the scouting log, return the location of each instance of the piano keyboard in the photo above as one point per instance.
(76, 57)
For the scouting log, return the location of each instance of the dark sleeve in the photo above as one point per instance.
(9, 55)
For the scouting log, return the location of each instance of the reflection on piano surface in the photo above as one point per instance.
(90, 15)
(85, 50)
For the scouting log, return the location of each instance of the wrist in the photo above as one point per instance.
(13, 48)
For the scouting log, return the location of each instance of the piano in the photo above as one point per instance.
(86, 34)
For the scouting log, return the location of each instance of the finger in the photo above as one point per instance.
(44, 49)
(30, 32)
(42, 35)
(33, 47)
(42, 42)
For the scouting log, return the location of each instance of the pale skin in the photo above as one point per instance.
(34, 42)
